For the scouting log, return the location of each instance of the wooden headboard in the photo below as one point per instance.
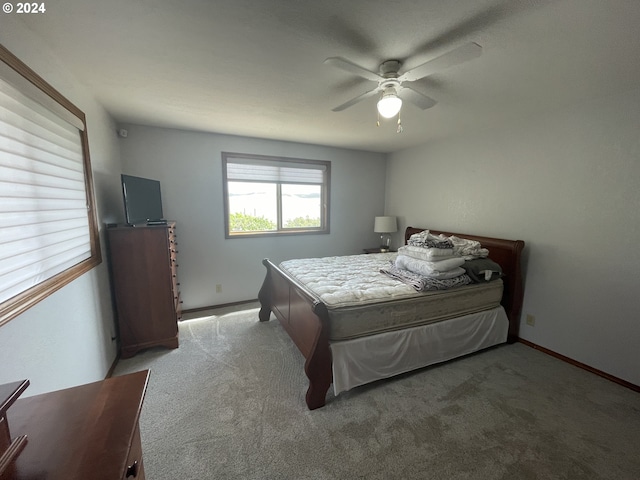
(505, 253)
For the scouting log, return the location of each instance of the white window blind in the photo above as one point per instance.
(45, 218)
(275, 171)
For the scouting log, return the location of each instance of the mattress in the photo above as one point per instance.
(361, 301)
(348, 280)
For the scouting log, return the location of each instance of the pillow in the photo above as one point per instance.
(482, 270)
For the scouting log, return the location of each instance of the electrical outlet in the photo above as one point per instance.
(219, 288)
(531, 320)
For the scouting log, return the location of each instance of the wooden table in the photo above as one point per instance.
(10, 447)
(376, 250)
(85, 432)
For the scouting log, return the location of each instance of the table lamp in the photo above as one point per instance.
(385, 226)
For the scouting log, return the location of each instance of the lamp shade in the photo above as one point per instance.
(389, 105)
(385, 225)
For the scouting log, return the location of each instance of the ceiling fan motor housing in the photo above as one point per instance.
(390, 68)
(389, 83)
(389, 88)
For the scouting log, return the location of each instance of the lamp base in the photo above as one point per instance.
(385, 242)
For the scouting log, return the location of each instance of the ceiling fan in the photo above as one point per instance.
(393, 86)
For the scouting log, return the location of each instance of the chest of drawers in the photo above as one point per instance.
(143, 261)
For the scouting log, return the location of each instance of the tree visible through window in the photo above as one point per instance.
(271, 195)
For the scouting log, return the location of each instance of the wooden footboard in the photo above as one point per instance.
(306, 320)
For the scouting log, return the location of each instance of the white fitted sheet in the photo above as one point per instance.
(367, 359)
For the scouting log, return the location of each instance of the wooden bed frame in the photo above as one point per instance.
(305, 317)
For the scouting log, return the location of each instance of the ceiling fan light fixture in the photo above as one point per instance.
(389, 105)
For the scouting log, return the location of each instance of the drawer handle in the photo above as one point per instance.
(132, 470)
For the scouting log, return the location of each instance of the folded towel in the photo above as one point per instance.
(448, 268)
(429, 254)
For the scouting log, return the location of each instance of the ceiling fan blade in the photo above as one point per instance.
(353, 101)
(456, 56)
(348, 66)
(418, 99)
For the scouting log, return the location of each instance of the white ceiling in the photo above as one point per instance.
(255, 67)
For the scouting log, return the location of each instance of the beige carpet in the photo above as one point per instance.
(229, 404)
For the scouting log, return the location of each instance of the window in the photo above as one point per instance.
(48, 229)
(274, 196)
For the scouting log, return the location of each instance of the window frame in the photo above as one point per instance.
(230, 157)
(19, 303)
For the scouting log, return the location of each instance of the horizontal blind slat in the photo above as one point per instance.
(47, 176)
(53, 236)
(21, 183)
(27, 219)
(19, 257)
(26, 119)
(35, 204)
(35, 276)
(18, 87)
(23, 190)
(40, 149)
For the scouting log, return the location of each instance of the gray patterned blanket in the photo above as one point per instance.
(422, 283)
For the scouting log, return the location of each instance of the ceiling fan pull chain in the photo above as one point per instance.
(378, 121)
(399, 130)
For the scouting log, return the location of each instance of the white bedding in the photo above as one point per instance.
(443, 269)
(428, 254)
(349, 280)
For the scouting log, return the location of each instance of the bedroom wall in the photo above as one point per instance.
(189, 167)
(566, 182)
(65, 340)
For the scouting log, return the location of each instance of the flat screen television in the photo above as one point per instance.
(142, 200)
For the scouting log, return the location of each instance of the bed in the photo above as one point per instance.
(349, 341)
